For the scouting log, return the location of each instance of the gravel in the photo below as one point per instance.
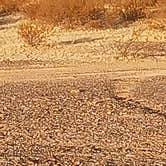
(79, 122)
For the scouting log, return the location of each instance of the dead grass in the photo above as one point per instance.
(90, 13)
(78, 11)
(9, 6)
(132, 10)
(67, 12)
(98, 14)
(33, 33)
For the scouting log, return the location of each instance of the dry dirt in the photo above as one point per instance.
(70, 102)
(51, 118)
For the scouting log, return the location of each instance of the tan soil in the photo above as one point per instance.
(89, 47)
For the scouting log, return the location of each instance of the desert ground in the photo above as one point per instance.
(84, 98)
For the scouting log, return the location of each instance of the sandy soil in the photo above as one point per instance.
(75, 47)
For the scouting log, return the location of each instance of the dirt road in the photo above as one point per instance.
(64, 116)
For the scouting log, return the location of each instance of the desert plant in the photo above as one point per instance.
(71, 12)
(10, 6)
(127, 49)
(132, 10)
(33, 33)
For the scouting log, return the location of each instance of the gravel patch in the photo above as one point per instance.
(78, 122)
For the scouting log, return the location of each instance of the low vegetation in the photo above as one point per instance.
(74, 13)
(9, 6)
(33, 33)
(82, 12)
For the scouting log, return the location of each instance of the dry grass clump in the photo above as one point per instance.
(79, 13)
(132, 10)
(83, 12)
(8, 6)
(67, 12)
(33, 33)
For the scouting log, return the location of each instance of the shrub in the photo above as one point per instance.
(71, 12)
(9, 6)
(83, 12)
(76, 13)
(132, 10)
(33, 33)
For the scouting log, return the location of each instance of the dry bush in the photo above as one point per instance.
(127, 49)
(66, 13)
(8, 6)
(86, 12)
(33, 33)
(132, 10)
(70, 12)
(79, 13)
(132, 3)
